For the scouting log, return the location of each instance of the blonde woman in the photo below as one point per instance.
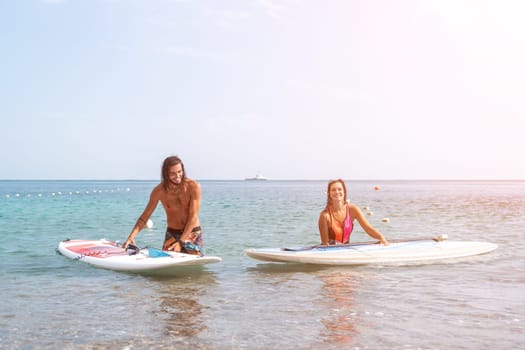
(336, 221)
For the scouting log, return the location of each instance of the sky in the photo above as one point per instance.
(290, 89)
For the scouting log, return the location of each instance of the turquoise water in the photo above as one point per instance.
(51, 302)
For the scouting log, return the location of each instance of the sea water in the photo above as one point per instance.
(48, 301)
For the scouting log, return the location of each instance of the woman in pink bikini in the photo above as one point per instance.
(336, 221)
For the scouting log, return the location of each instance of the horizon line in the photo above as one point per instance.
(277, 179)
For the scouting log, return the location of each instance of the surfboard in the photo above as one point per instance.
(149, 261)
(362, 253)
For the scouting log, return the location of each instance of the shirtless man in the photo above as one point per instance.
(181, 199)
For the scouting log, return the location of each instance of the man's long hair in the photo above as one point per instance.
(168, 163)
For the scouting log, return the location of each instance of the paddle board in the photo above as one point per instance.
(149, 261)
(400, 251)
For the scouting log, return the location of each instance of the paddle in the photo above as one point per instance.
(437, 238)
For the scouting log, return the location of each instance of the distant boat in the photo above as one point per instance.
(257, 177)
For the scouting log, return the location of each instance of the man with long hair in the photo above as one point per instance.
(181, 199)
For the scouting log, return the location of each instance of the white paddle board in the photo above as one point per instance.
(150, 261)
(401, 251)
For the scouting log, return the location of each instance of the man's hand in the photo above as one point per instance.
(175, 247)
(128, 242)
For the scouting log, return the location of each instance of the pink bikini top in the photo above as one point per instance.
(338, 232)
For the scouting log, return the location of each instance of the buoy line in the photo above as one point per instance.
(17, 195)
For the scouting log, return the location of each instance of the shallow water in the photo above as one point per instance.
(49, 301)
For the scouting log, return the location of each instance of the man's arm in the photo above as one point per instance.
(193, 216)
(146, 214)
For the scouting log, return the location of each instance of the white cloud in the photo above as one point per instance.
(274, 9)
(189, 52)
(160, 23)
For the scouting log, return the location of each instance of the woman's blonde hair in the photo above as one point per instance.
(330, 183)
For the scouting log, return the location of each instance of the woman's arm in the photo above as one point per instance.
(369, 229)
(323, 227)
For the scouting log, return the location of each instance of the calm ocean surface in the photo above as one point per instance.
(49, 302)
